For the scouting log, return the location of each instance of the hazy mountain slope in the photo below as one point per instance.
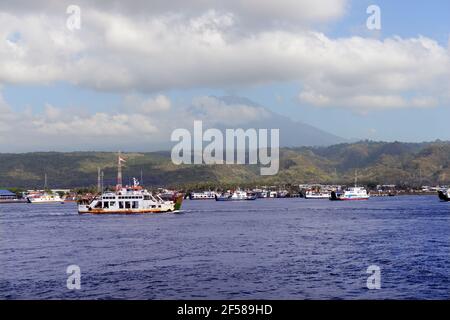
(292, 133)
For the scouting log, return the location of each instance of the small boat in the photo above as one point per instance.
(273, 194)
(282, 194)
(237, 195)
(355, 193)
(44, 197)
(317, 195)
(205, 195)
(444, 195)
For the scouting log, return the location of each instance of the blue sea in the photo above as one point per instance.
(263, 249)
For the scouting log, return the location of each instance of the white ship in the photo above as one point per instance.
(353, 193)
(44, 198)
(128, 200)
(317, 194)
(237, 195)
(205, 195)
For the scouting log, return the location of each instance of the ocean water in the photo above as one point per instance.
(263, 249)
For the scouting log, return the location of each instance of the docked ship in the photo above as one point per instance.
(237, 195)
(353, 193)
(128, 200)
(444, 195)
(317, 195)
(205, 195)
(43, 197)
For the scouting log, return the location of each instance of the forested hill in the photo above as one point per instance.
(376, 162)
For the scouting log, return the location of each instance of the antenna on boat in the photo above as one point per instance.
(99, 180)
(45, 181)
(356, 178)
(119, 172)
(102, 180)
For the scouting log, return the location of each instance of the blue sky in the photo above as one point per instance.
(405, 19)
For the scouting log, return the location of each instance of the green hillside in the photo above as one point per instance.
(376, 162)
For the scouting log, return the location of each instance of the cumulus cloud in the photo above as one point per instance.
(140, 123)
(149, 47)
(261, 13)
(215, 111)
(137, 103)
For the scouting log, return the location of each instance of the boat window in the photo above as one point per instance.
(98, 204)
(120, 204)
(127, 205)
(112, 203)
(135, 204)
(106, 204)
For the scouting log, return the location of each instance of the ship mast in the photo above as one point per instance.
(356, 178)
(119, 173)
(99, 182)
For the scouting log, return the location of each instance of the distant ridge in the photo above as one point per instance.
(376, 162)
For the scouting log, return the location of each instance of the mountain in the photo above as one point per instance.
(292, 133)
(376, 163)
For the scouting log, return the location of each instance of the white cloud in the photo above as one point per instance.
(216, 112)
(261, 13)
(156, 46)
(132, 126)
(136, 103)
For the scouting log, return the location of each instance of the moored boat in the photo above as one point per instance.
(205, 195)
(317, 195)
(237, 195)
(354, 193)
(44, 197)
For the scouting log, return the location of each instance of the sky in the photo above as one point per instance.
(135, 70)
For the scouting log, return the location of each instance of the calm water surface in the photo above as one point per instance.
(263, 249)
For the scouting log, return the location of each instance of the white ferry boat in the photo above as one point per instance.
(205, 195)
(44, 197)
(237, 195)
(317, 195)
(444, 195)
(354, 193)
(128, 200)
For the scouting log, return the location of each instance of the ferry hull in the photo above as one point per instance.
(235, 199)
(227, 199)
(103, 212)
(44, 202)
(317, 197)
(340, 197)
